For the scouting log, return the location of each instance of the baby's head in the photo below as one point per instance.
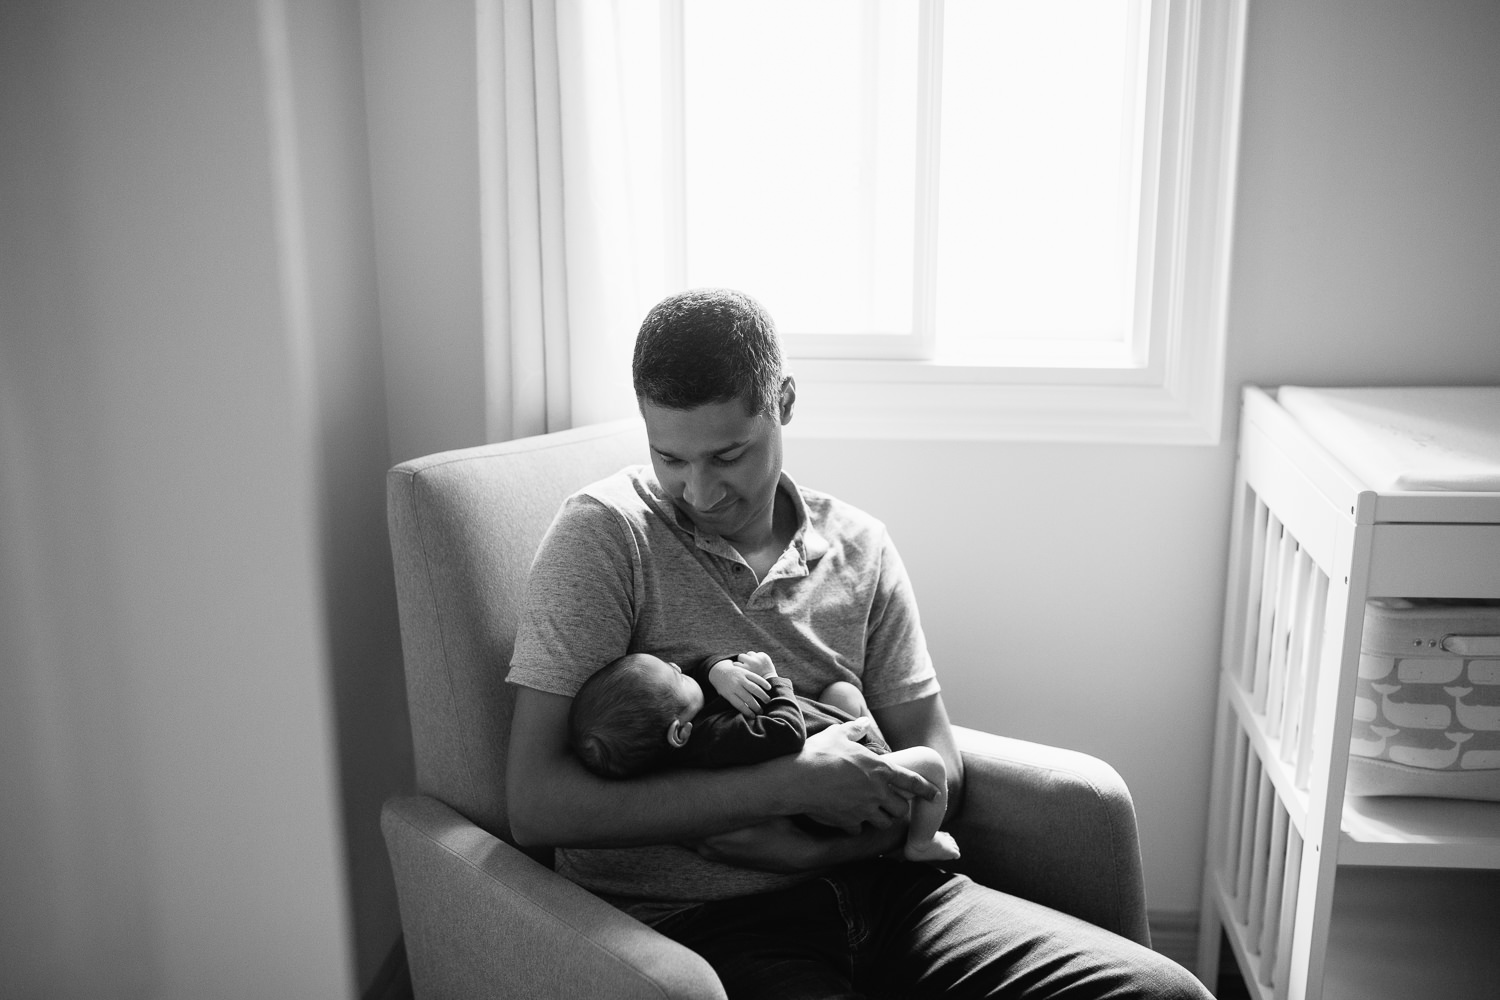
(630, 715)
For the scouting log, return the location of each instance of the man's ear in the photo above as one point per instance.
(678, 733)
(788, 399)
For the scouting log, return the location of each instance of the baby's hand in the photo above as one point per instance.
(745, 689)
(760, 663)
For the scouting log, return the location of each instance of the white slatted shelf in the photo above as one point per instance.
(1273, 760)
(1384, 831)
(1245, 952)
(1312, 544)
(1420, 833)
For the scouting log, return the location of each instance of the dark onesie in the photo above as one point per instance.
(722, 737)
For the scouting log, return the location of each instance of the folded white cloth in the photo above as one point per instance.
(1408, 438)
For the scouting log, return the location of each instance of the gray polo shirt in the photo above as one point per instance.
(620, 570)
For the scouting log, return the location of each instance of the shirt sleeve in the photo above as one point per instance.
(722, 737)
(898, 668)
(578, 613)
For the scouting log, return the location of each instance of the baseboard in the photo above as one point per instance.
(1174, 933)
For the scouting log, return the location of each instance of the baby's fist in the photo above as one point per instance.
(742, 687)
(758, 662)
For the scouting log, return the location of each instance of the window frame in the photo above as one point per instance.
(1168, 390)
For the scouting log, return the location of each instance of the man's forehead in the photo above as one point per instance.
(703, 430)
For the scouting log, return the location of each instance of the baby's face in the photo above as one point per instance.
(686, 691)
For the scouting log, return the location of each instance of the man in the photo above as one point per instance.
(715, 546)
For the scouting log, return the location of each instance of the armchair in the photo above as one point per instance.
(484, 918)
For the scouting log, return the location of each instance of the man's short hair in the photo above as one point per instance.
(618, 724)
(708, 345)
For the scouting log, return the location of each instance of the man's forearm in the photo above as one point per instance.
(554, 800)
(782, 846)
(584, 811)
(868, 843)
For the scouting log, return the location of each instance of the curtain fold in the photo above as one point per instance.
(525, 284)
(571, 204)
(610, 103)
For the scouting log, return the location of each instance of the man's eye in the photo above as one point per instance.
(668, 460)
(728, 461)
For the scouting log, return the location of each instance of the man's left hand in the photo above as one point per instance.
(779, 845)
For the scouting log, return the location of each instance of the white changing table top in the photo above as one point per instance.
(1406, 438)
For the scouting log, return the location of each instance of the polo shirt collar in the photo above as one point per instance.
(808, 543)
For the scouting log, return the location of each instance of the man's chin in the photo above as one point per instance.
(719, 521)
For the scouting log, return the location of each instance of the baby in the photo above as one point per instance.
(641, 712)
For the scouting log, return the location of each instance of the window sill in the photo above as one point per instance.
(917, 401)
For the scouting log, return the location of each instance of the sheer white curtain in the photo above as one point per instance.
(525, 309)
(614, 180)
(571, 206)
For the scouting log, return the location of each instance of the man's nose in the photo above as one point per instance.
(700, 489)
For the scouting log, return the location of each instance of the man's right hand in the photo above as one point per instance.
(846, 784)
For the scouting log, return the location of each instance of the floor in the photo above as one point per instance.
(1231, 985)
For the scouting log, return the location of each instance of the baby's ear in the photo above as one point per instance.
(678, 733)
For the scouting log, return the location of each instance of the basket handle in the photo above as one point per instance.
(1472, 645)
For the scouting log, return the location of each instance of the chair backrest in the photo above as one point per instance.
(464, 527)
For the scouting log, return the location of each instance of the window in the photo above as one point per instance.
(954, 181)
(970, 218)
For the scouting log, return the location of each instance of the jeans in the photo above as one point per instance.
(898, 929)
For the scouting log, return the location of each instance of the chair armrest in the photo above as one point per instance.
(1054, 826)
(481, 919)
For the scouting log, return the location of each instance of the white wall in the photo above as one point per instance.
(1073, 594)
(200, 701)
(422, 99)
(331, 209)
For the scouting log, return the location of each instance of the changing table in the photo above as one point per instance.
(1341, 496)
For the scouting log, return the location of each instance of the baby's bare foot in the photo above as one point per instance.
(942, 847)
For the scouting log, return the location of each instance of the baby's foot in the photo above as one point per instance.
(942, 847)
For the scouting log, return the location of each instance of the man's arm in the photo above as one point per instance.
(780, 846)
(554, 800)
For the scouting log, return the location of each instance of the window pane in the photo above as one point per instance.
(800, 122)
(1037, 208)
